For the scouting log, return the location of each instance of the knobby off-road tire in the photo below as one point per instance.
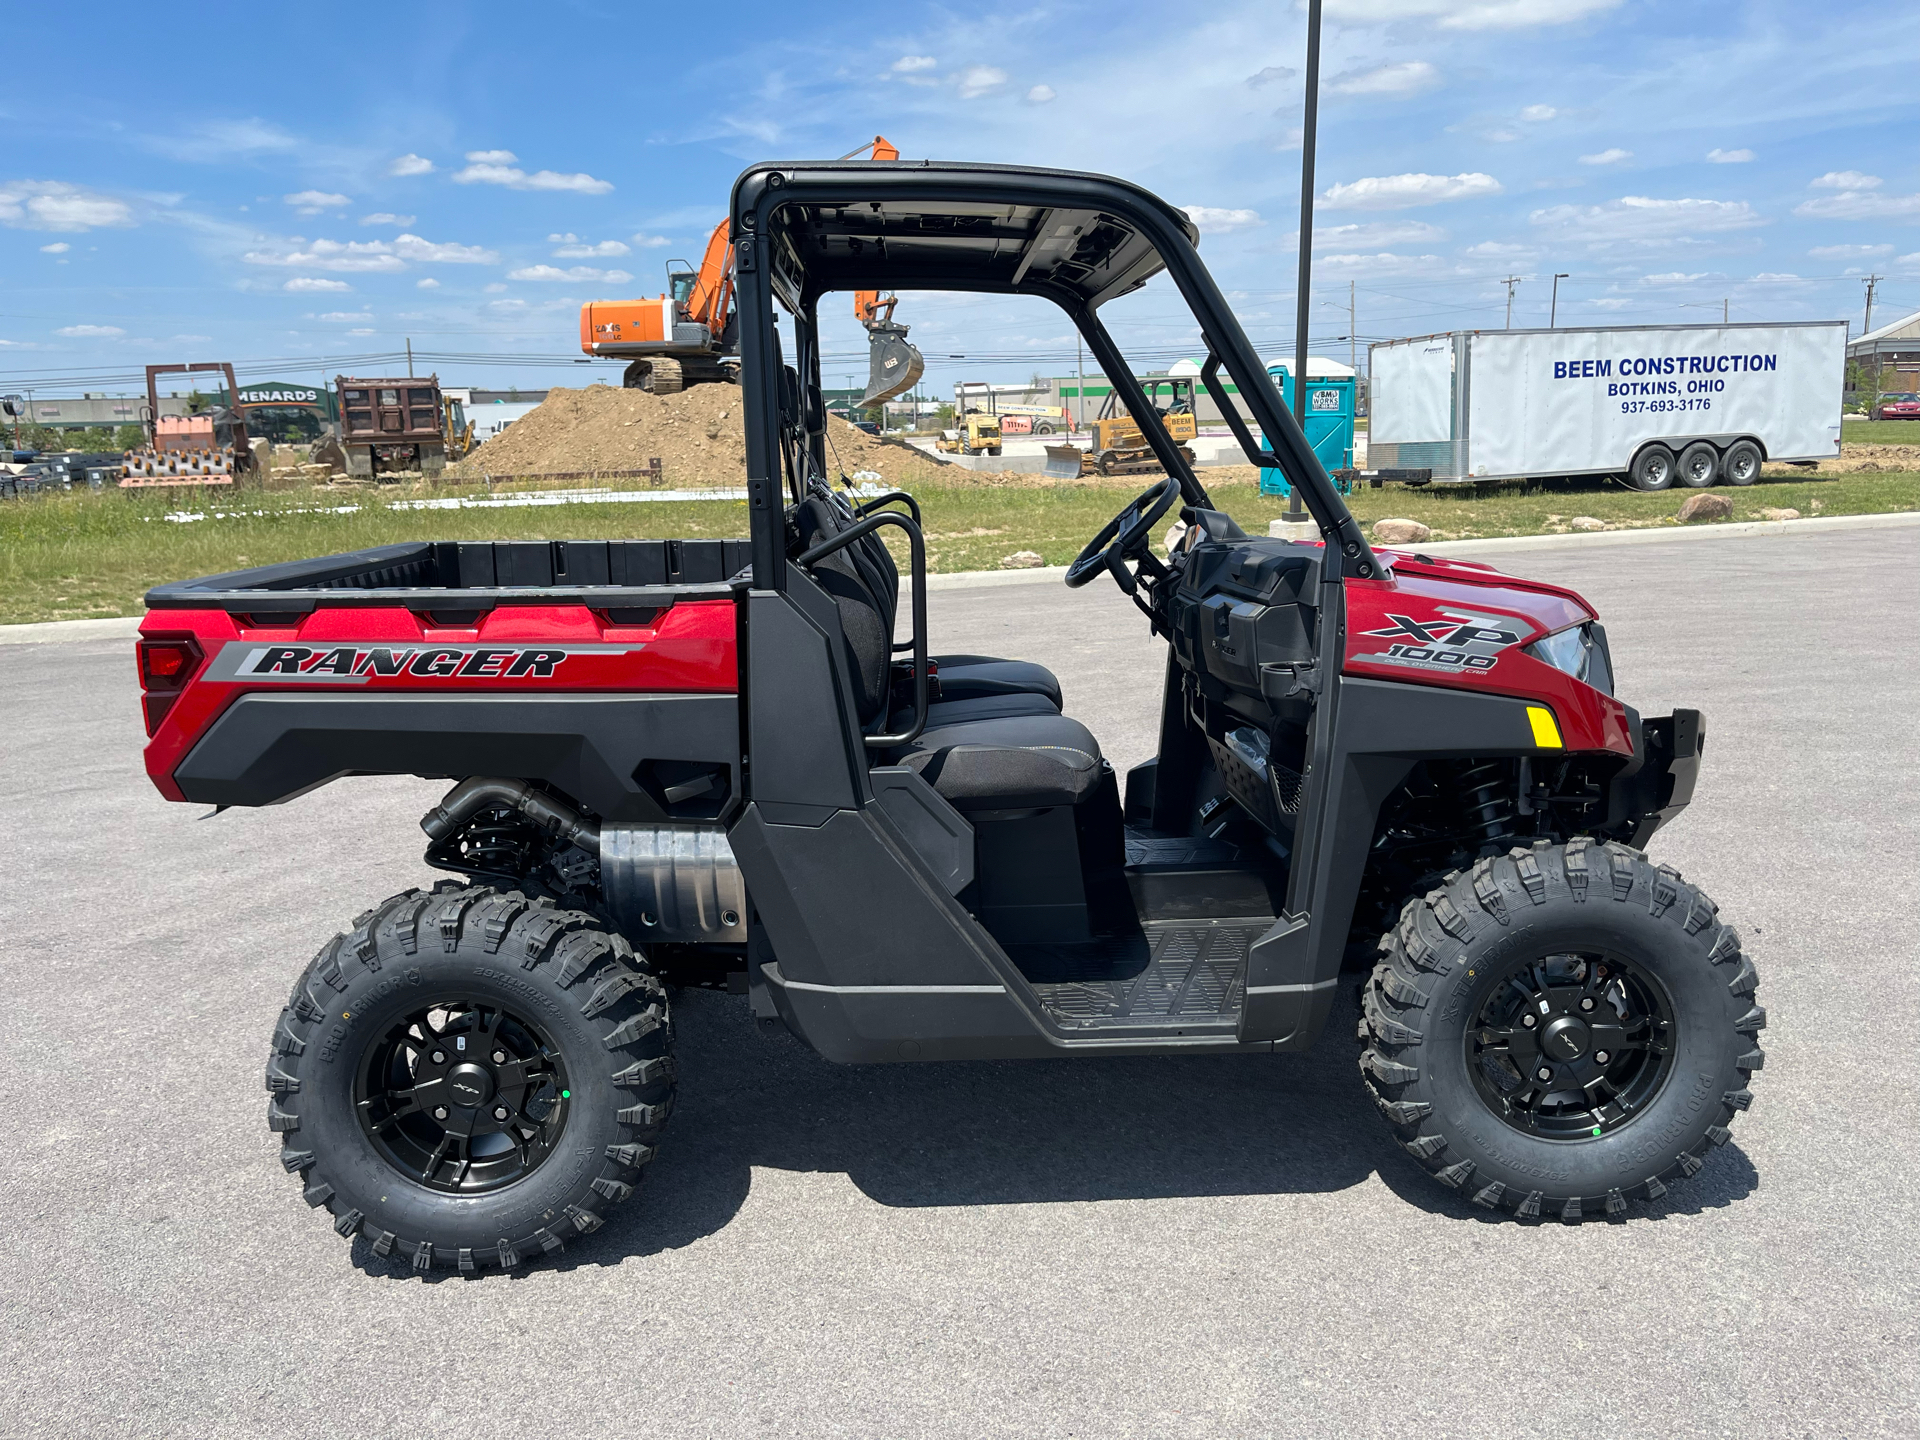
(1595, 933)
(545, 989)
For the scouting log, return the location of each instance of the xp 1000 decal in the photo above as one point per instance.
(1453, 642)
(357, 664)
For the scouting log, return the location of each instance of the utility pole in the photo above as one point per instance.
(1726, 303)
(1353, 344)
(1872, 283)
(1553, 310)
(1510, 281)
(1296, 513)
(409, 357)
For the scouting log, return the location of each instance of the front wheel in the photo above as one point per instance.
(1561, 1029)
(471, 1077)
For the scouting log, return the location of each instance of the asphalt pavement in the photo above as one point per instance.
(1226, 1246)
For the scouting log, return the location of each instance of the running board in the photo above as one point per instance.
(1174, 977)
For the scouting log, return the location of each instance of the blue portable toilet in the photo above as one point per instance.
(1331, 389)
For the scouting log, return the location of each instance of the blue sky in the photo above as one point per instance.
(261, 184)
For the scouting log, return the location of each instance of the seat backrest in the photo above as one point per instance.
(864, 591)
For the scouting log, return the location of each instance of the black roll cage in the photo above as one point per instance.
(783, 436)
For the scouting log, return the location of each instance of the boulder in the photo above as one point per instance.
(1706, 506)
(1773, 513)
(1400, 532)
(1023, 560)
(1586, 522)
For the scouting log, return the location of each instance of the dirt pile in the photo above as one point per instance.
(1858, 458)
(698, 437)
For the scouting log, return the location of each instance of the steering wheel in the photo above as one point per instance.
(1124, 537)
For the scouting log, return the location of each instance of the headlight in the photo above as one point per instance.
(1580, 652)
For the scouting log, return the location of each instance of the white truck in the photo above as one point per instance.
(1656, 403)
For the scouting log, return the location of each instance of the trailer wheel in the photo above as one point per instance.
(1699, 464)
(471, 1077)
(1561, 1029)
(1741, 464)
(1652, 468)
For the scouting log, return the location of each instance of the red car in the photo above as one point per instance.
(1904, 406)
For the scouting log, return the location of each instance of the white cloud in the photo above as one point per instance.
(977, 80)
(589, 251)
(59, 247)
(1215, 221)
(1041, 94)
(312, 202)
(1729, 157)
(1389, 232)
(193, 339)
(1610, 156)
(1536, 114)
(1846, 180)
(1849, 252)
(429, 283)
(1638, 219)
(1861, 204)
(360, 332)
(383, 217)
(1469, 14)
(1911, 260)
(1774, 275)
(559, 239)
(1409, 77)
(56, 205)
(1401, 192)
(427, 252)
(495, 288)
(575, 272)
(907, 64)
(91, 332)
(344, 317)
(1495, 250)
(650, 242)
(1272, 75)
(308, 284)
(495, 167)
(1384, 260)
(366, 256)
(1673, 277)
(1610, 302)
(410, 165)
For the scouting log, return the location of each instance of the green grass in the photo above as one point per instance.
(83, 555)
(1880, 432)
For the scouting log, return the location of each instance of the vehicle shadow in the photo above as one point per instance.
(1013, 1132)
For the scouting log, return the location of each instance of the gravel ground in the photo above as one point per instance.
(1224, 1246)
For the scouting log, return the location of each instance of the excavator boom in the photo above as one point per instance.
(677, 339)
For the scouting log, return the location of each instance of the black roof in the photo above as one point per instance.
(947, 226)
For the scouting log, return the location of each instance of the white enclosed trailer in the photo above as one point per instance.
(1657, 403)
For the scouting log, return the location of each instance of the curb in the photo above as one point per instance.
(48, 632)
(127, 627)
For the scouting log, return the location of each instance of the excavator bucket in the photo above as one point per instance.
(894, 365)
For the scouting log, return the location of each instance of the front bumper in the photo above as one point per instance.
(1657, 783)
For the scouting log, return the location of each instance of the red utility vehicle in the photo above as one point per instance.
(713, 761)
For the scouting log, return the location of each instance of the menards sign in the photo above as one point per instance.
(279, 394)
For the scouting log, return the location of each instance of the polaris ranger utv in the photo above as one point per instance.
(714, 760)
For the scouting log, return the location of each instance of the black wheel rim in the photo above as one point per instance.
(462, 1096)
(1572, 1046)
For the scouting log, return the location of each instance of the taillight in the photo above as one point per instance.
(165, 668)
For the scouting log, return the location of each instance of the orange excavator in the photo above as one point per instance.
(690, 336)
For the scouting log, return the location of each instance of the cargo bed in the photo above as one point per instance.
(473, 576)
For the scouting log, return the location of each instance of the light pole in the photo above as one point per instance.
(1296, 513)
(1553, 309)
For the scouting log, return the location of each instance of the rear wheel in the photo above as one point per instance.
(1741, 464)
(471, 1077)
(1652, 468)
(1560, 1030)
(1699, 464)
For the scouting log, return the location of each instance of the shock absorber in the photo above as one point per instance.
(496, 841)
(1486, 800)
